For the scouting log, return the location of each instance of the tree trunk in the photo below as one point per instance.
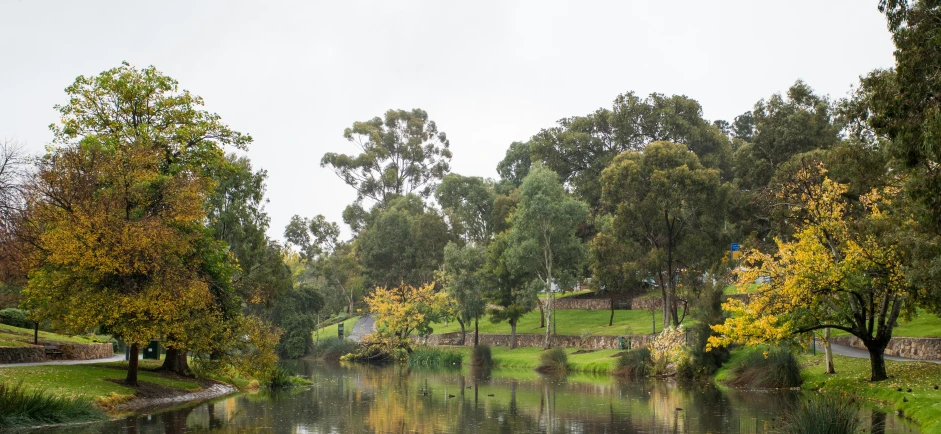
(175, 361)
(828, 351)
(877, 360)
(611, 320)
(542, 315)
(548, 321)
(463, 333)
(35, 332)
(665, 293)
(512, 335)
(476, 332)
(131, 379)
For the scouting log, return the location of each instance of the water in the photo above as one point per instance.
(352, 399)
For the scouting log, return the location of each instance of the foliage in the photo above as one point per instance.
(634, 364)
(824, 414)
(482, 356)
(553, 361)
(430, 357)
(331, 349)
(776, 368)
(22, 407)
(465, 280)
(467, 201)
(698, 362)
(402, 154)
(669, 214)
(838, 272)
(581, 147)
(295, 311)
(279, 378)
(402, 311)
(609, 261)
(515, 165)
(542, 241)
(507, 289)
(15, 317)
(667, 350)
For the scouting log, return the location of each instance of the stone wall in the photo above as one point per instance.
(912, 348)
(532, 340)
(582, 303)
(28, 354)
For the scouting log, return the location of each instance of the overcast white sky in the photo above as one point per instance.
(295, 74)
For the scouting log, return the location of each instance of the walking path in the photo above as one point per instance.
(848, 351)
(115, 358)
(363, 327)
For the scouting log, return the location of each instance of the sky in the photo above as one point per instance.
(295, 74)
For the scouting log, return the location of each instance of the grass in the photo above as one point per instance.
(595, 362)
(576, 322)
(824, 414)
(757, 368)
(91, 381)
(558, 295)
(852, 378)
(923, 325)
(19, 337)
(554, 361)
(330, 331)
(26, 406)
(634, 364)
(432, 357)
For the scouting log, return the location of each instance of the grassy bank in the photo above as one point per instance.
(19, 337)
(923, 402)
(575, 322)
(330, 331)
(21, 406)
(923, 325)
(592, 362)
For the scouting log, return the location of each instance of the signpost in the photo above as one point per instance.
(736, 252)
(340, 330)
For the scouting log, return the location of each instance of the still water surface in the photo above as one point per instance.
(354, 399)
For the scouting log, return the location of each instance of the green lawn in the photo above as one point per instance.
(574, 322)
(558, 295)
(330, 331)
(923, 402)
(89, 380)
(16, 337)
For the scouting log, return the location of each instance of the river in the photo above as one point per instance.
(355, 399)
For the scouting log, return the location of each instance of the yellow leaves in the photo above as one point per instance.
(401, 311)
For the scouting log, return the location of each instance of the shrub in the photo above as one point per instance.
(428, 357)
(331, 349)
(776, 368)
(280, 378)
(32, 407)
(481, 356)
(634, 364)
(823, 414)
(15, 317)
(666, 350)
(698, 362)
(554, 361)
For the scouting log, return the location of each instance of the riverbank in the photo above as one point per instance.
(102, 385)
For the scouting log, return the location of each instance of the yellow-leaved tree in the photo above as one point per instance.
(402, 311)
(843, 270)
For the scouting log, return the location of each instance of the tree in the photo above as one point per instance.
(295, 310)
(465, 283)
(673, 209)
(327, 257)
(402, 154)
(126, 184)
(467, 201)
(515, 165)
(543, 240)
(838, 272)
(13, 178)
(507, 290)
(610, 264)
(403, 310)
(581, 147)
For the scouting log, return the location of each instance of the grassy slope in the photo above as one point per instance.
(89, 380)
(574, 322)
(330, 331)
(852, 377)
(595, 362)
(15, 337)
(923, 325)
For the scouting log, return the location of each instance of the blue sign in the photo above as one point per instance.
(736, 247)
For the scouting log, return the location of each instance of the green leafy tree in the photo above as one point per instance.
(327, 258)
(464, 267)
(582, 146)
(401, 154)
(543, 236)
(669, 212)
(612, 270)
(467, 201)
(515, 165)
(295, 311)
(507, 290)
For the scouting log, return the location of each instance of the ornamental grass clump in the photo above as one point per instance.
(482, 357)
(553, 362)
(776, 368)
(823, 414)
(634, 364)
(428, 357)
(21, 407)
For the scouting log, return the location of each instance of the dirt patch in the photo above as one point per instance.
(618, 354)
(584, 351)
(150, 396)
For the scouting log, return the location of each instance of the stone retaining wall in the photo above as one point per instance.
(582, 303)
(36, 353)
(912, 348)
(531, 340)
(28, 354)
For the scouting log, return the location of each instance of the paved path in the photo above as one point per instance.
(115, 358)
(848, 351)
(363, 327)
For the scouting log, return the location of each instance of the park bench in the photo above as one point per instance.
(53, 351)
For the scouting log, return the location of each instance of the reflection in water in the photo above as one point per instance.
(394, 399)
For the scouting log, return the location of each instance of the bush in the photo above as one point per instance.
(667, 350)
(281, 378)
(331, 349)
(698, 362)
(15, 317)
(428, 357)
(823, 414)
(776, 368)
(32, 407)
(481, 356)
(554, 361)
(634, 364)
